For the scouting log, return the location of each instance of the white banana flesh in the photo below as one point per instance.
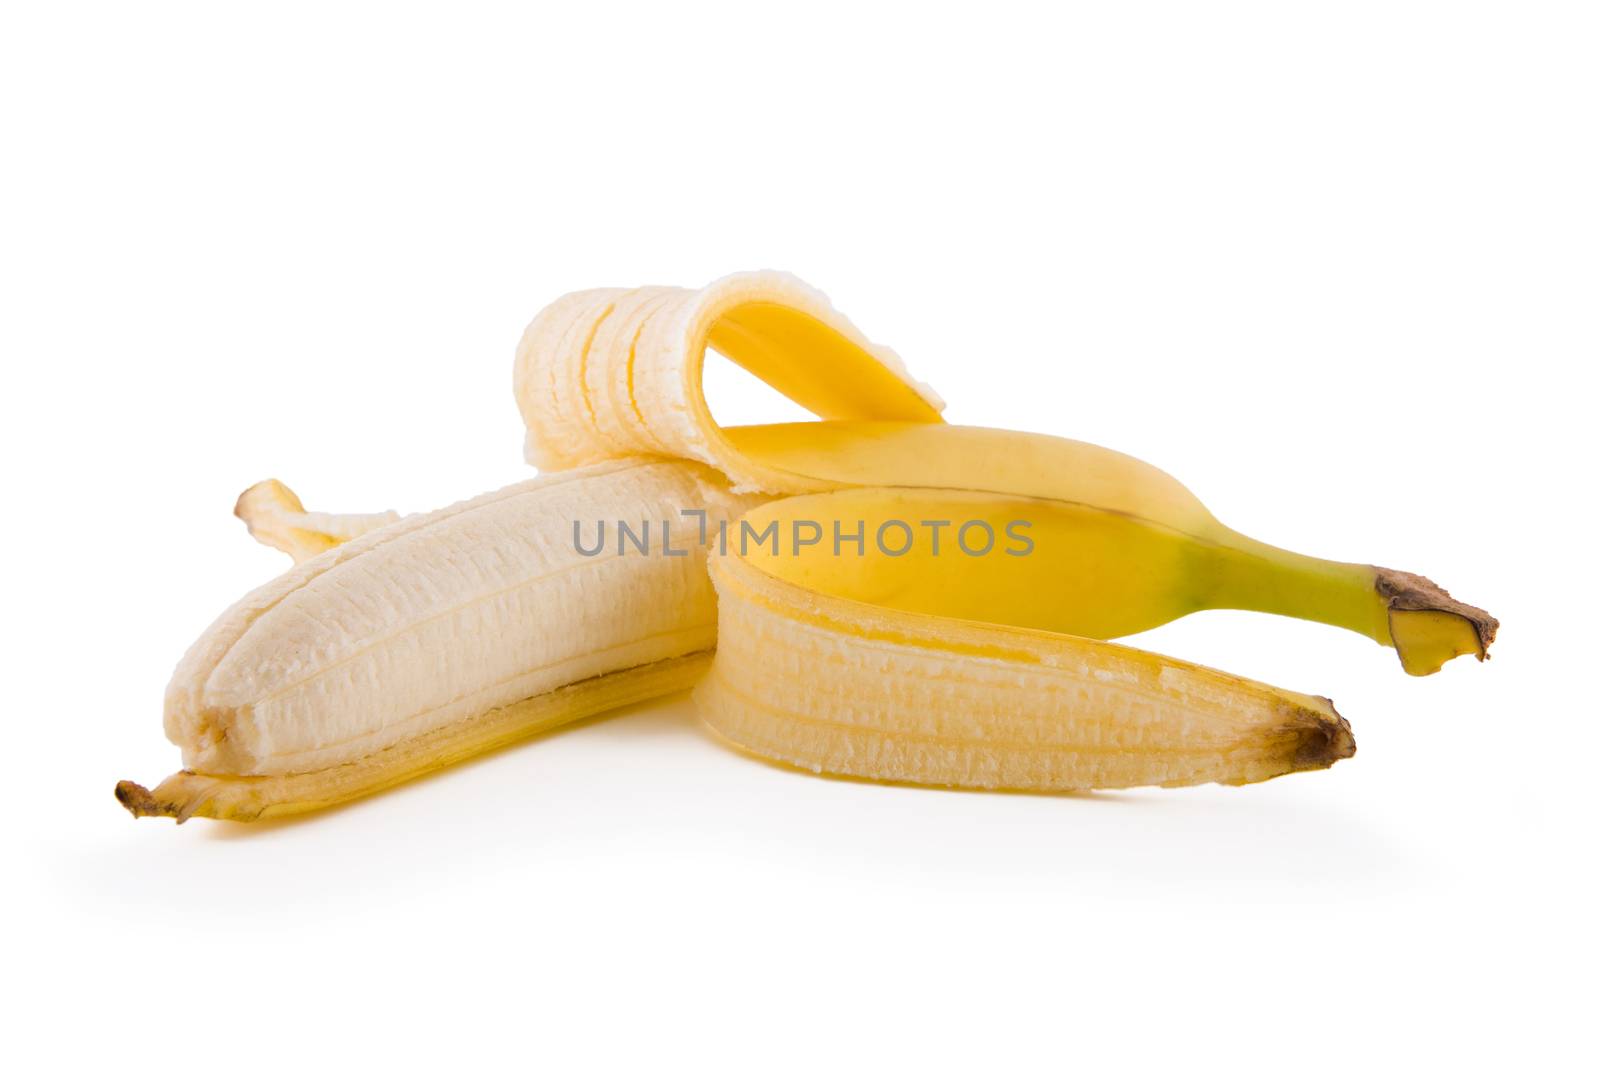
(427, 622)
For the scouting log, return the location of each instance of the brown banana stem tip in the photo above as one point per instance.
(179, 796)
(1412, 592)
(1325, 740)
(141, 802)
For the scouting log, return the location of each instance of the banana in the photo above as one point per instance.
(908, 666)
(399, 645)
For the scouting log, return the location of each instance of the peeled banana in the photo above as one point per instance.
(889, 596)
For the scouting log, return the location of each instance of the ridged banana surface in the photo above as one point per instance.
(889, 596)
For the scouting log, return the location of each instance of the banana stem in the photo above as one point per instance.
(1256, 576)
(1397, 609)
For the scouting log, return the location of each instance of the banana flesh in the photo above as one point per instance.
(439, 618)
(397, 646)
(246, 798)
(429, 639)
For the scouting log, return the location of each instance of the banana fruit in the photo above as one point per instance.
(889, 596)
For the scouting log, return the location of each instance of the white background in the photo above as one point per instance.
(1334, 266)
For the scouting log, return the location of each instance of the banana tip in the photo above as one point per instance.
(1407, 592)
(141, 802)
(1325, 740)
(267, 494)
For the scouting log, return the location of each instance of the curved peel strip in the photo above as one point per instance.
(606, 373)
(838, 686)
